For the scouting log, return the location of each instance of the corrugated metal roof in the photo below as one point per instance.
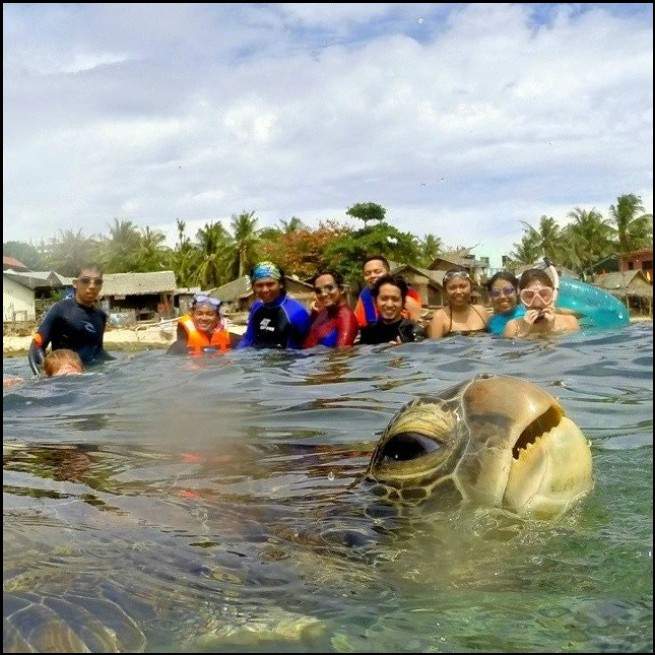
(35, 279)
(138, 284)
(232, 290)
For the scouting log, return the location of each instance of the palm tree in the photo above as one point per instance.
(246, 240)
(66, 253)
(528, 250)
(548, 236)
(292, 225)
(184, 257)
(430, 247)
(587, 239)
(152, 255)
(633, 231)
(119, 250)
(210, 260)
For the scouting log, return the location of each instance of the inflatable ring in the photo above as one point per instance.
(594, 307)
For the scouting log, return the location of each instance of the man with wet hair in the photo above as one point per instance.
(76, 323)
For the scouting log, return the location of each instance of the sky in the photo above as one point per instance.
(462, 120)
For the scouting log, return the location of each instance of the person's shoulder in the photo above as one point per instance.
(294, 304)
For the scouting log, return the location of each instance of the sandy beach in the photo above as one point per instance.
(115, 339)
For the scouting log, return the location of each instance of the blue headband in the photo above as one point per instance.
(264, 270)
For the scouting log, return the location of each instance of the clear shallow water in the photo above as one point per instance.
(206, 506)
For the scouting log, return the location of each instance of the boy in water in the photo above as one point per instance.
(62, 362)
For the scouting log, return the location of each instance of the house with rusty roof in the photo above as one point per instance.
(632, 287)
(144, 296)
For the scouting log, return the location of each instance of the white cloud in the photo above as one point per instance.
(158, 112)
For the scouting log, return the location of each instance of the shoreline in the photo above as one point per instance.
(120, 339)
(126, 340)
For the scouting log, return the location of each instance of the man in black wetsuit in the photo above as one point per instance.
(75, 323)
(389, 293)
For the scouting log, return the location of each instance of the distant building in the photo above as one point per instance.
(478, 268)
(638, 260)
(144, 296)
(12, 263)
(633, 287)
(27, 294)
(17, 300)
(429, 284)
(609, 264)
(238, 296)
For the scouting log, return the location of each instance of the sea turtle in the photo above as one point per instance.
(493, 441)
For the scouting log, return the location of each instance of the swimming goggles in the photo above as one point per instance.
(203, 299)
(528, 295)
(453, 274)
(326, 288)
(505, 291)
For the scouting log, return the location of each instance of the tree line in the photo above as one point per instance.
(216, 254)
(588, 237)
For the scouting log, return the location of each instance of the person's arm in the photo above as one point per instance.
(413, 308)
(346, 328)
(248, 339)
(177, 347)
(299, 325)
(41, 339)
(103, 355)
(436, 327)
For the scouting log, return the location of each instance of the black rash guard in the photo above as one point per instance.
(382, 332)
(71, 325)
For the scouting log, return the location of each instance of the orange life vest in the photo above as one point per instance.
(197, 341)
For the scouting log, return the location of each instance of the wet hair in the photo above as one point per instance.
(371, 258)
(535, 275)
(89, 266)
(55, 359)
(338, 278)
(503, 275)
(395, 280)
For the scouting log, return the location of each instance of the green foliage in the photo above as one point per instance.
(25, 253)
(70, 250)
(634, 228)
(367, 211)
(243, 251)
(588, 237)
(347, 253)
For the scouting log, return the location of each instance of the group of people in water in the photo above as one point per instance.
(388, 310)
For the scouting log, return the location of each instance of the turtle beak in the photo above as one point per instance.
(524, 453)
(551, 467)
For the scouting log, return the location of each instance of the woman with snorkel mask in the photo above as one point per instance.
(537, 295)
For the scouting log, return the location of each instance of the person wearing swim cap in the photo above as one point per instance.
(366, 310)
(202, 330)
(275, 319)
(537, 294)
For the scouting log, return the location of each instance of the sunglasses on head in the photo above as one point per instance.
(505, 291)
(528, 295)
(88, 280)
(202, 299)
(326, 288)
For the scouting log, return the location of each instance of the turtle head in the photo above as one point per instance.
(494, 441)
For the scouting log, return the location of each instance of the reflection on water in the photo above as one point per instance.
(163, 504)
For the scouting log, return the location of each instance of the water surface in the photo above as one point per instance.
(166, 504)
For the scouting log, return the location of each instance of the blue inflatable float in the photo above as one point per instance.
(594, 307)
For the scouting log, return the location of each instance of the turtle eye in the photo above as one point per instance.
(407, 446)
